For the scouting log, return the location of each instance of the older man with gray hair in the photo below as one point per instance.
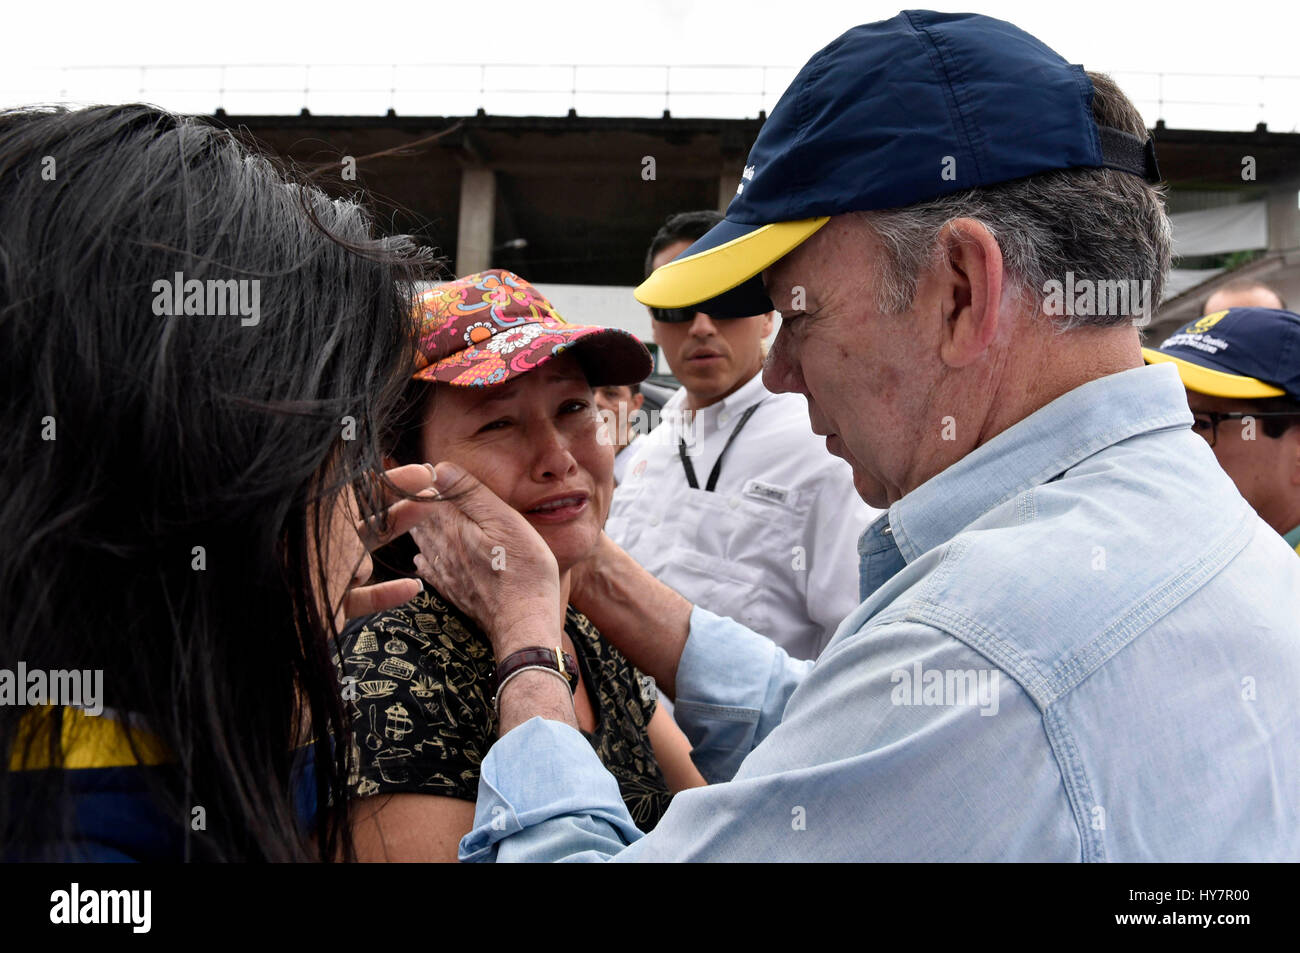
(1076, 640)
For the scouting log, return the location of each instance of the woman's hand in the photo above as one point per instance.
(487, 559)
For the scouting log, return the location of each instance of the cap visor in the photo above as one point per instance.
(728, 254)
(1212, 383)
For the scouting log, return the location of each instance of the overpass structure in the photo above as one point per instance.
(572, 201)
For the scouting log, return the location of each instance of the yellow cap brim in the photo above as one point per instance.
(688, 281)
(1213, 383)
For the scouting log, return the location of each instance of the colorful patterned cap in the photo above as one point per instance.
(491, 327)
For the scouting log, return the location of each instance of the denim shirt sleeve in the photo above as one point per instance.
(543, 795)
(732, 687)
(863, 766)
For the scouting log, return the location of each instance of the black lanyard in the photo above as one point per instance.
(717, 467)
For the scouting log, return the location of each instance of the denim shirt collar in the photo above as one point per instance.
(1029, 453)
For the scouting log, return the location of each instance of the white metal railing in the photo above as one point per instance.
(1186, 100)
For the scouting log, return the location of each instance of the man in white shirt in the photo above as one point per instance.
(732, 500)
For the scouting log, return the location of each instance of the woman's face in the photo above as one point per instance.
(532, 441)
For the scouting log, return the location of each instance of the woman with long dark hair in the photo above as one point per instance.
(196, 356)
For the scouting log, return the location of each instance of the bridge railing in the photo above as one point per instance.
(1184, 100)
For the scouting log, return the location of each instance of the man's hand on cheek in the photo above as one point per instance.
(408, 494)
(488, 560)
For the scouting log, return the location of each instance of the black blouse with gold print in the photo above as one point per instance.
(421, 680)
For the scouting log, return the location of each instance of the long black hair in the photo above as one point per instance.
(166, 481)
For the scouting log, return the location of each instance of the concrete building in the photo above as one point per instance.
(571, 202)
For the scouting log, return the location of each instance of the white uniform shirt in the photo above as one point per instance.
(624, 457)
(774, 546)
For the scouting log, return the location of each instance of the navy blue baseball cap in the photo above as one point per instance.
(891, 114)
(1243, 353)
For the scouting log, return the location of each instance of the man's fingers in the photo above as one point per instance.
(410, 479)
(433, 532)
(459, 487)
(401, 517)
(401, 514)
(367, 600)
(451, 480)
(424, 569)
(396, 520)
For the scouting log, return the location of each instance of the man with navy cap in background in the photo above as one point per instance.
(1076, 642)
(1241, 368)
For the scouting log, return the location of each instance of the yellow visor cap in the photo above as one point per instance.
(707, 273)
(1212, 383)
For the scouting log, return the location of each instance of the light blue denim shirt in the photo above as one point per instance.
(1076, 643)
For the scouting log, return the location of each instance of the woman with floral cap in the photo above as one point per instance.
(504, 390)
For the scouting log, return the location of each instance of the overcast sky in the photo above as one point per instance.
(1131, 38)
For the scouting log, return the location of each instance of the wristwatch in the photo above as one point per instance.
(535, 656)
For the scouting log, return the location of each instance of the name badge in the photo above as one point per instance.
(767, 492)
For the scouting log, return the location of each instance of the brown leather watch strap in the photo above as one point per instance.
(554, 658)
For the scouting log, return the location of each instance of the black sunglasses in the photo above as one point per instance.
(682, 315)
(743, 301)
(1207, 422)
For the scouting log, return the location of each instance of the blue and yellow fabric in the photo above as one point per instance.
(114, 817)
(110, 782)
